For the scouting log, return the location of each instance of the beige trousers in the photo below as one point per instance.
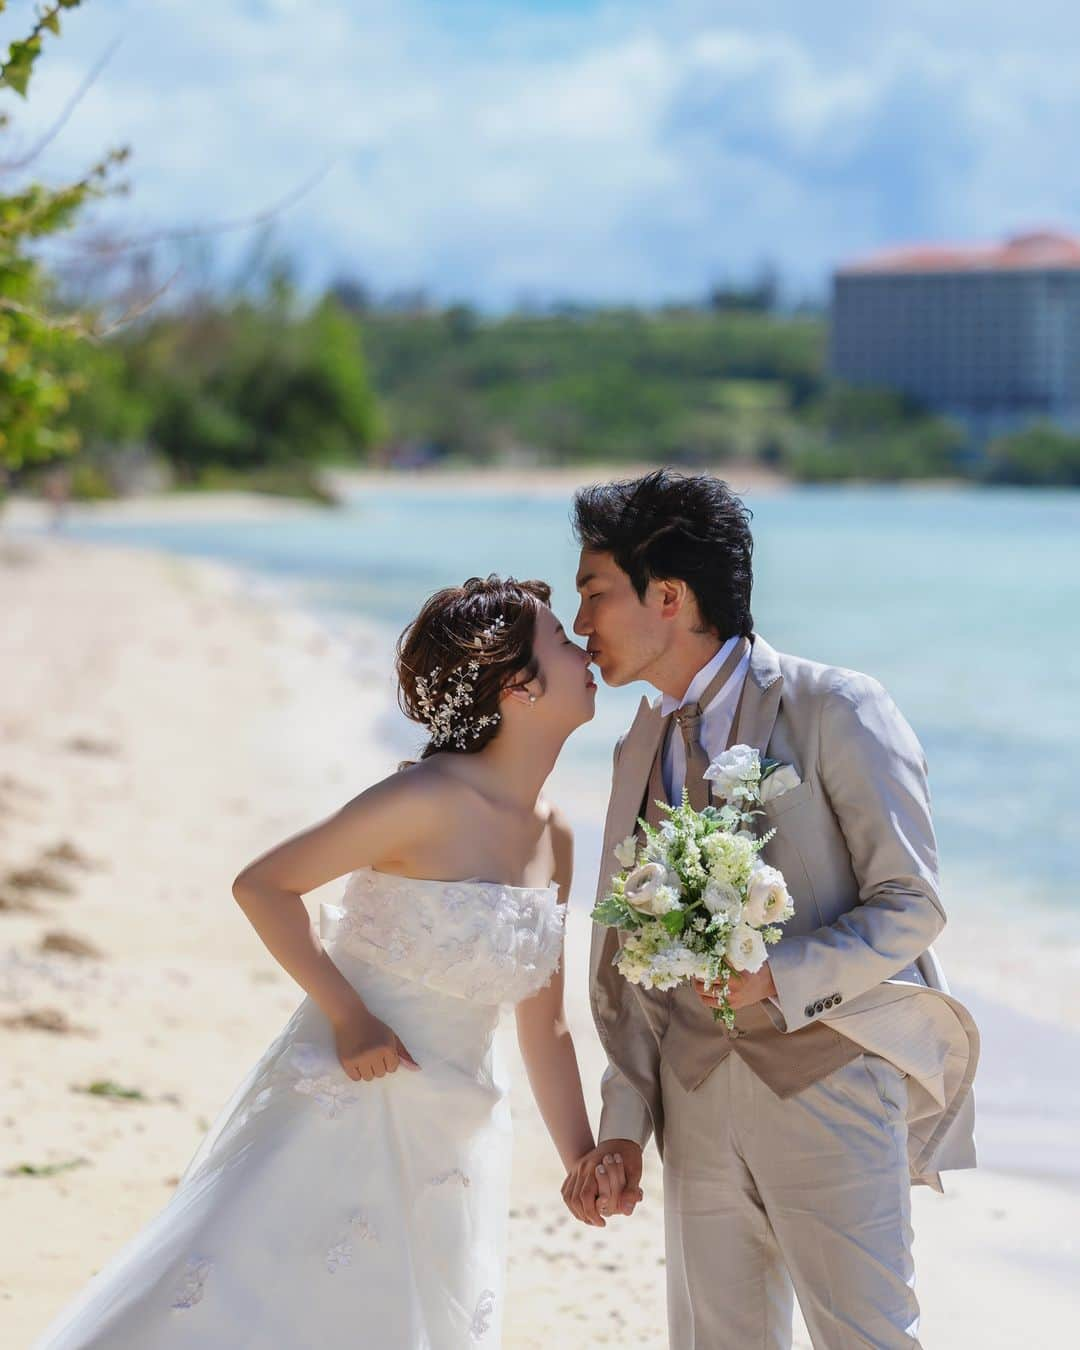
(762, 1195)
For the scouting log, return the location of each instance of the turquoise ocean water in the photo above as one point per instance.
(965, 604)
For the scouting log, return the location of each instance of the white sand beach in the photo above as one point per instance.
(159, 725)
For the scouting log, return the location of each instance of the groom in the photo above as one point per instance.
(790, 1142)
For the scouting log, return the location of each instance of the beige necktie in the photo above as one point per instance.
(688, 720)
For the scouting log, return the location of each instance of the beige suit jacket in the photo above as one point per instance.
(856, 844)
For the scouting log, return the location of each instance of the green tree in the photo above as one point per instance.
(37, 340)
(1040, 456)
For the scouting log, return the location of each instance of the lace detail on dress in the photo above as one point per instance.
(455, 1174)
(192, 1284)
(357, 1229)
(319, 1076)
(477, 940)
(481, 1318)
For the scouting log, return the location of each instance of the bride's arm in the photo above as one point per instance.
(544, 1037)
(378, 825)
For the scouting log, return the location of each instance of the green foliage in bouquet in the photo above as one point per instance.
(695, 901)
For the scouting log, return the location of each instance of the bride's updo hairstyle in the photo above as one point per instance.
(465, 647)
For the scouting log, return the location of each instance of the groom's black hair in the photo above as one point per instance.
(669, 525)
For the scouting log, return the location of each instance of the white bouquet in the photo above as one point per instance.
(694, 898)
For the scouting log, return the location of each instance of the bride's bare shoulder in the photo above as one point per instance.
(417, 787)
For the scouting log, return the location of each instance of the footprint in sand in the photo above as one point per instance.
(37, 877)
(70, 855)
(52, 1020)
(17, 904)
(69, 944)
(91, 745)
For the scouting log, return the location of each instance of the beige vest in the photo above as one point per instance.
(691, 1041)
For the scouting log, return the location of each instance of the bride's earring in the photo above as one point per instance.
(532, 698)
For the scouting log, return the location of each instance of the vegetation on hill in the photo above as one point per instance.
(260, 389)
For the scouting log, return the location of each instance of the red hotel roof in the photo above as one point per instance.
(1023, 252)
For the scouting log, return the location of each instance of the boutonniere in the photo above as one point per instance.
(741, 773)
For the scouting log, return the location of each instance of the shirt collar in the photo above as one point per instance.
(700, 682)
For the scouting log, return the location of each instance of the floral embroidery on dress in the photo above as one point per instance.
(478, 940)
(357, 1229)
(318, 1075)
(481, 1318)
(331, 1095)
(191, 1286)
(455, 1174)
(456, 898)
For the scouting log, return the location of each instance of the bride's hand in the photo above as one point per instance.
(368, 1049)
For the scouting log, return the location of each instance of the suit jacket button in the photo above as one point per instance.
(819, 1007)
(809, 1010)
(836, 998)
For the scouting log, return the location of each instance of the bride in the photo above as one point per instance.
(355, 1190)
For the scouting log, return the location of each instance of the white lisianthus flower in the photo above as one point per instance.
(746, 949)
(648, 889)
(626, 852)
(767, 898)
(721, 897)
(735, 773)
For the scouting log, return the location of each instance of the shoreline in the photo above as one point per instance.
(746, 478)
(131, 785)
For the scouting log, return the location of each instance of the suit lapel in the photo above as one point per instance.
(631, 778)
(761, 697)
(627, 792)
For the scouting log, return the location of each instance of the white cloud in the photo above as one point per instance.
(611, 152)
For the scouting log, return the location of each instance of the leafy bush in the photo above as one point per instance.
(1042, 455)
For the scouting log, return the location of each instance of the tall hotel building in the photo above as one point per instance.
(989, 335)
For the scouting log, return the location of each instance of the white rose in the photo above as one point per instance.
(746, 949)
(721, 897)
(780, 780)
(626, 852)
(648, 890)
(735, 773)
(767, 898)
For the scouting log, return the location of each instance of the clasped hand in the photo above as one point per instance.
(605, 1181)
(367, 1048)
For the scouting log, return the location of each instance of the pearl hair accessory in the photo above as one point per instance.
(445, 714)
(490, 634)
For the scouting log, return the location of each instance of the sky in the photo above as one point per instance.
(527, 152)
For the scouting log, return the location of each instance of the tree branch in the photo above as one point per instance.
(13, 165)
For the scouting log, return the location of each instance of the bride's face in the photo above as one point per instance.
(566, 690)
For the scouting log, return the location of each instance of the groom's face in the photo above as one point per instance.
(625, 633)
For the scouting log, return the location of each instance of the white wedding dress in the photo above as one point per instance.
(321, 1212)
